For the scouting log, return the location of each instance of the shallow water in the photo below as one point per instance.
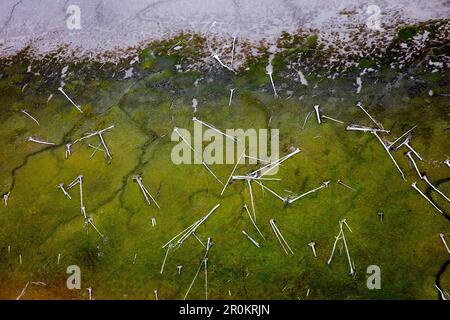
(39, 222)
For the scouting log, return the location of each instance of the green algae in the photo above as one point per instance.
(40, 223)
(408, 32)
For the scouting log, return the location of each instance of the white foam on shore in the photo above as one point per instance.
(111, 24)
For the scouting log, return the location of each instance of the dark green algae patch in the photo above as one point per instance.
(39, 222)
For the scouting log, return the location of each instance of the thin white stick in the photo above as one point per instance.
(206, 278)
(23, 291)
(334, 246)
(96, 149)
(195, 277)
(62, 91)
(306, 119)
(188, 233)
(303, 195)
(232, 51)
(253, 222)
(68, 150)
(203, 162)
(30, 116)
(371, 118)
(273, 84)
(83, 213)
(345, 185)
(356, 127)
(165, 258)
(61, 186)
(80, 178)
(231, 175)
(413, 151)
(317, 110)
(408, 154)
(182, 232)
(344, 221)
(332, 119)
(275, 164)
(251, 239)
(390, 155)
(441, 235)
(196, 225)
(324, 185)
(313, 247)
(36, 140)
(270, 190)
(444, 294)
(254, 178)
(198, 239)
(74, 182)
(250, 190)
(231, 96)
(208, 247)
(210, 171)
(5, 198)
(278, 162)
(447, 162)
(398, 139)
(90, 293)
(95, 228)
(280, 237)
(352, 272)
(182, 138)
(145, 189)
(88, 135)
(222, 64)
(257, 159)
(407, 145)
(105, 146)
(414, 185)
(143, 192)
(214, 129)
(424, 177)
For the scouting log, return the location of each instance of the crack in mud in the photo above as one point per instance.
(45, 149)
(440, 273)
(429, 190)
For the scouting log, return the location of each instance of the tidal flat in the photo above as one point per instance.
(145, 96)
